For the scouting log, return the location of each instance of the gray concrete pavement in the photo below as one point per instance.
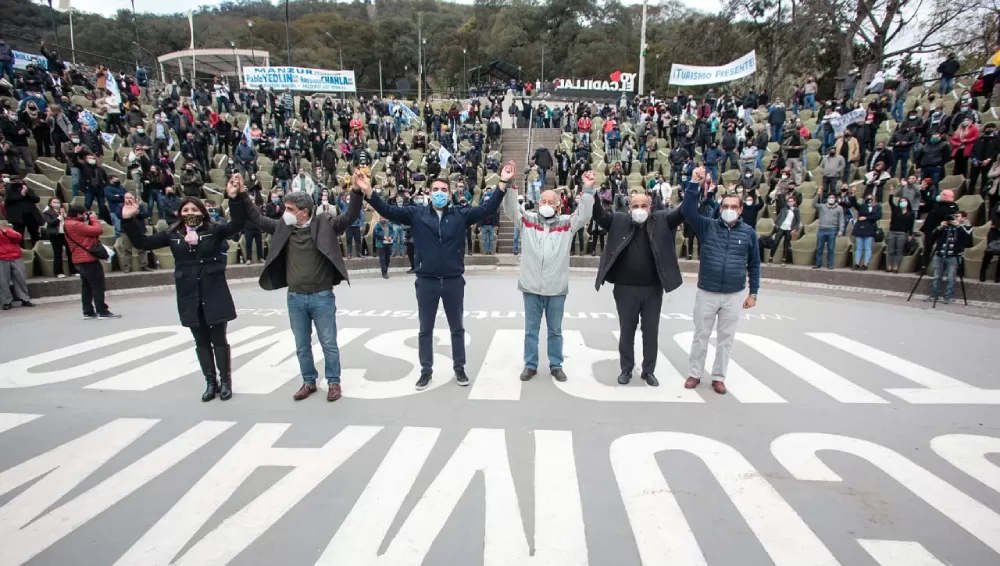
(856, 432)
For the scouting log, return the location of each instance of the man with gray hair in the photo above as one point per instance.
(305, 257)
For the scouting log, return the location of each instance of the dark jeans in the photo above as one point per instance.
(254, 238)
(92, 287)
(635, 302)
(30, 228)
(59, 245)
(451, 293)
(383, 257)
(826, 238)
(354, 241)
(975, 172)
(901, 159)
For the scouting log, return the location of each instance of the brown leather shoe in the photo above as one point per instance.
(306, 390)
(691, 383)
(333, 393)
(719, 387)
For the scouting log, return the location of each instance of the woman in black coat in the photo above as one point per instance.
(203, 299)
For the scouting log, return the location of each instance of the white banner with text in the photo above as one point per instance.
(300, 78)
(689, 75)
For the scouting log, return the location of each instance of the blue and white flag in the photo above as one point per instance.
(443, 156)
(246, 133)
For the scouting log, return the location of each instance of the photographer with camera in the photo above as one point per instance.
(941, 211)
(948, 242)
(83, 232)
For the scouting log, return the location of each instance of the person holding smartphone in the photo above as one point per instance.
(204, 302)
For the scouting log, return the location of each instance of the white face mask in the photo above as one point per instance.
(728, 216)
(289, 218)
(546, 211)
(639, 215)
(749, 202)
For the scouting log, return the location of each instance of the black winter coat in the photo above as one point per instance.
(662, 226)
(200, 271)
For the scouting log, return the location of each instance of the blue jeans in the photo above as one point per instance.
(901, 159)
(488, 238)
(760, 159)
(450, 292)
(897, 110)
(946, 84)
(552, 308)
(98, 195)
(714, 170)
(847, 171)
(7, 70)
(942, 266)
(517, 239)
(825, 238)
(116, 221)
(319, 309)
(863, 250)
(809, 101)
(398, 247)
(932, 172)
(776, 132)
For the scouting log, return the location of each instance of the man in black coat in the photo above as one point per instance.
(543, 159)
(641, 260)
(943, 211)
(22, 210)
(305, 257)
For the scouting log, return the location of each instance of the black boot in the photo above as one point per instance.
(223, 357)
(207, 362)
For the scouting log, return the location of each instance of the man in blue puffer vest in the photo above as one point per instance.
(728, 254)
(438, 232)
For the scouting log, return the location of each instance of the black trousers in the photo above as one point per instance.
(384, 254)
(59, 246)
(409, 254)
(451, 293)
(30, 227)
(635, 303)
(782, 237)
(92, 287)
(209, 336)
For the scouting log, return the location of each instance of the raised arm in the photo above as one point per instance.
(583, 213)
(476, 214)
(134, 230)
(689, 206)
(237, 217)
(342, 222)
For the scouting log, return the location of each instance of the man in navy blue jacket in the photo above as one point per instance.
(728, 255)
(439, 231)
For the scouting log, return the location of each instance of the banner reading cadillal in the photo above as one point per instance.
(689, 75)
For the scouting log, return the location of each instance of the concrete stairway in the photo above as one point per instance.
(515, 146)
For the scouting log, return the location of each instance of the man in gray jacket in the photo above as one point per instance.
(831, 225)
(832, 169)
(546, 239)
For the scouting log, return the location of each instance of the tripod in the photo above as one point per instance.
(961, 278)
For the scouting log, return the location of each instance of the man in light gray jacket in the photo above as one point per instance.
(546, 239)
(831, 225)
(832, 169)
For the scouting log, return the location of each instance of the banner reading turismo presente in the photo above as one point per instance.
(299, 78)
(687, 75)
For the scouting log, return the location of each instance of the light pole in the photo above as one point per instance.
(288, 36)
(642, 50)
(420, 60)
(339, 48)
(465, 70)
(253, 56)
(236, 63)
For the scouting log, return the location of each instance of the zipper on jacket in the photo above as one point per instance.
(729, 239)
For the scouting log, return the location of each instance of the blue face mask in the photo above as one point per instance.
(439, 199)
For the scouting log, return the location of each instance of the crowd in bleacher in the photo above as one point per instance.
(72, 137)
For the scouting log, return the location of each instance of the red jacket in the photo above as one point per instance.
(963, 141)
(80, 237)
(10, 244)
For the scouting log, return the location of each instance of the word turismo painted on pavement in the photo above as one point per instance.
(623, 82)
(688, 75)
(300, 78)
(41, 515)
(270, 366)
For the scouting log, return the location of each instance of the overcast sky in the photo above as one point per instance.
(109, 7)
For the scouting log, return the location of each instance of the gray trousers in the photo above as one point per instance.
(635, 302)
(895, 244)
(12, 271)
(709, 308)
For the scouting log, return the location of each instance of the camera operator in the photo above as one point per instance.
(941, 211)
(948, 242)
(22, 209)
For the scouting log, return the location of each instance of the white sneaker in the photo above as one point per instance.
(60, 276)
